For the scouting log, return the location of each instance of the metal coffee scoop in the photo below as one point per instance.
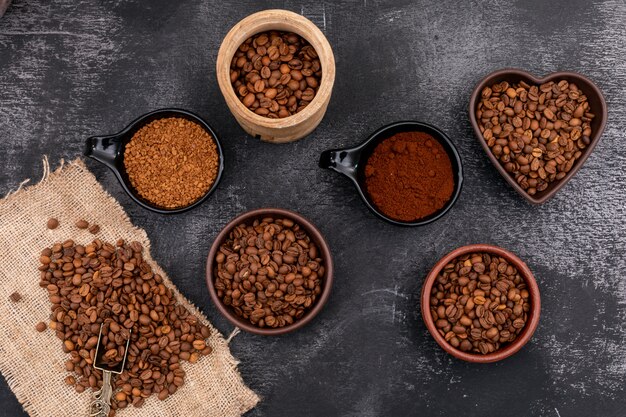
(101, 401)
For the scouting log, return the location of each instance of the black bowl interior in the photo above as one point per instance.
(388, 131)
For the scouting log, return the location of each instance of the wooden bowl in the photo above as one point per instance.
(290, 128)
(316, 237)
(533, 314)
(596, 101)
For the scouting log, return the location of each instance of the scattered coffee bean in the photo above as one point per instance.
(269, 272)
(112, 285)
(479, 303)
(276, 74)
(536, 132)
(41, 327)
(82, 224)
(52, 223)
(94, 229)
(171, 162)
(15, 297)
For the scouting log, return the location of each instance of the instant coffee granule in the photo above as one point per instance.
(171, 162)
(409, 176)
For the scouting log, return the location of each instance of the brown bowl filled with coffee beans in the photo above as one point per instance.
(537, 132)
(481, 303)
(269, 271)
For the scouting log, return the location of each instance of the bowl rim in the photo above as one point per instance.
(590, 87)
(533, 316)
(315, 235)
(298, 24)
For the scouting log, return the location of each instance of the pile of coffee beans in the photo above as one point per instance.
(479, 303)
(112, 285)
(536, 132)
(269, 272)
(171, 162)
(276, 74)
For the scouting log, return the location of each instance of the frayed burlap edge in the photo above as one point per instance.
(33, 363)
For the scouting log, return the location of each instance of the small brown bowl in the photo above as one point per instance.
(533, 315)
(596, 101)
(315, 236)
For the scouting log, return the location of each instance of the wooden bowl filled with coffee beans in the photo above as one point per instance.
(276, 71)
(269, 271)
(481, 303)
(537, 132)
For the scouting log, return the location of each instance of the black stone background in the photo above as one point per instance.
(74, 68)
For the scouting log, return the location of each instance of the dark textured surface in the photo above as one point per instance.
(70, 69)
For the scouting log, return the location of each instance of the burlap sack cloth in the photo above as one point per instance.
(32, 362)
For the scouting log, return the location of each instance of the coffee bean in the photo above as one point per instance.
(94, 228)
(479, 302)
(268, 275)
(113, 285)
(52, 223)
(534, 132)
(82, 224)
(41, 327)
(15, 297)
(284, 75)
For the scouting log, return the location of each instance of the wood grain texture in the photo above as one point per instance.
(299, 125)
(70, 69)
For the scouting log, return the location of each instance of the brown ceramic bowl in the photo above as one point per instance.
(596, 101)
(533, 315)
(315, 236)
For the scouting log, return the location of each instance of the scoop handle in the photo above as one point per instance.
(344, 161)
(104, 149)
(101, 401)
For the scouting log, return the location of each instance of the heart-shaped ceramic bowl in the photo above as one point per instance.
(596, 102)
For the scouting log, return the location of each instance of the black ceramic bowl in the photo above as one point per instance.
(109, 150)
(351, 163)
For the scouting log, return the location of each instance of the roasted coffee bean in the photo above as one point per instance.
(94, 229)
(41, 326)
(278, 77)
(480, 299)
(536, 132)
(52, 223)
(15, 297)
(270, 274)
(82, 224)
(113, 286)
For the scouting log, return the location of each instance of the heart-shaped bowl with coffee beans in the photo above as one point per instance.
(537, 132)
(481, 303)
(269, 271)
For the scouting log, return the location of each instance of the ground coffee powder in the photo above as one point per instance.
(409, 176)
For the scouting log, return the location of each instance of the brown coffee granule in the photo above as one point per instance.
(15, 297)
(171, 162)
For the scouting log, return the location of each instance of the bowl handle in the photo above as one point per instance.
(344, 161)
(104, 149)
